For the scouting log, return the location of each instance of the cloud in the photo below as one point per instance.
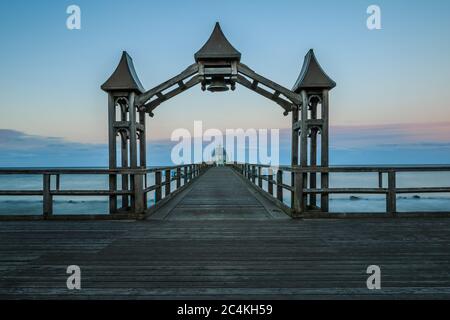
(399, 134)
(381, 144)
(18, 149)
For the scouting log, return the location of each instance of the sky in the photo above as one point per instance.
(394, 79)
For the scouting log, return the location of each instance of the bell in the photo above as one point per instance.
(218, 85)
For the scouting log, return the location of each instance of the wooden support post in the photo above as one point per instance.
(280, 185)
(304, 147)
(313, 156)
(304, 131)
(324, 198)
(133, 130)
(145, 193)
(138, 193)
(124, 135)
(125, 177)
(158, 193)
(112, 153)
(167, 181)
(298, 193)
(380, 179)
(391, 203)
(270, 186)
(178, 177)
(137, 199)
(253, 174)
(58, 182)
(185, 178)
(47, 196)
(142, 141)
(294, 147)
(313, 163)
(260, 177)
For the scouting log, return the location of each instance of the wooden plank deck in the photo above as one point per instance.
(219, 194)
(206, 247)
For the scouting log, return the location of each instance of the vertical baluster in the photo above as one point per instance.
(260, 177)
(299, 204)
(270, 176)
(158, 186)
(167, 181)
(391, 203)
(380, 179)
(280, 185)
(178, 177)
(185, 178)
(47, 196)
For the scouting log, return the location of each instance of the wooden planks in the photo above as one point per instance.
(219, 194)
(162, 259)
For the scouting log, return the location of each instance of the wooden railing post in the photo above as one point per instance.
(391, 199)
(112, 198)
(157, 186)
(185, 172)
(253, 174)
(280, 185)
(380, 179)
(178, 177)
(167, 181)
(145, 187)
(47, 196)
(270, 185)
(260, 177)
(298, 193)
(58, 182)
(138, 193)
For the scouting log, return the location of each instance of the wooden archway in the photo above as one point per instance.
(218, 67)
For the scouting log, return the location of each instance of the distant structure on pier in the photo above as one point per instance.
(219, 156)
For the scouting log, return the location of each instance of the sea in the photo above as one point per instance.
(417, 202)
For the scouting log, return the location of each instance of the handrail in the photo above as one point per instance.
(300, 191)
(183, 175)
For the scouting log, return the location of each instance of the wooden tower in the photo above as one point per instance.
(127, 123)
(308, 121)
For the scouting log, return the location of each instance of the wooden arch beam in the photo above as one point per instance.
(292, 96)
(146, 96)
(286, 105)
(182, 86)
(147, 101)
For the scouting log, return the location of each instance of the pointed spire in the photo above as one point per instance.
(312, 75)
(217, 47)
(124, 77)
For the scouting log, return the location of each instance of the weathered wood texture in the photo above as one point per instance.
(160, 259)
(219, 194)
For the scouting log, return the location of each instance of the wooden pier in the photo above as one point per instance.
(220, 238)
(197, 231)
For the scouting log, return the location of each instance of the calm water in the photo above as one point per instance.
(338, 203)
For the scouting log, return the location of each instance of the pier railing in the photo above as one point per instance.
(304, 198)
(167, 182)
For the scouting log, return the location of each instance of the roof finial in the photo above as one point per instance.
(217, 47)
(312, 75)
(124, 77)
